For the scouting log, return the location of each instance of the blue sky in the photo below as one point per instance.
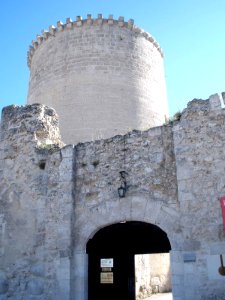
(191, 33)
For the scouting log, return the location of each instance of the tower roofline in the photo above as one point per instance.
(89, 21)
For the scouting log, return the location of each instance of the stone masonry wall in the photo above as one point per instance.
(54, 198)
(103, 76)
(148, 159)
(199, 143)
(32, 242)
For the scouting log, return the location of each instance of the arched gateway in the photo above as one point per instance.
(111, 257)
(132, 225)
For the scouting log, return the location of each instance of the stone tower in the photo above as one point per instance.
(103, 76)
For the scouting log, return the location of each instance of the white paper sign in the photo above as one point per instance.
(106, 262)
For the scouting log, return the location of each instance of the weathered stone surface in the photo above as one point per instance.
(38, 270)
(54, 198)
(4, 284)
(35, 286)
(102, 78)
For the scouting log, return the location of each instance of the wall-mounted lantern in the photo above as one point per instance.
(221, 268)
(123, 187)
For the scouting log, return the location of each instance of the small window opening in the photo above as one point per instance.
(42, 165)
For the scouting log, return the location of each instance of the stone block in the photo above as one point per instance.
(190, 245)
(67, 151)
(38, 270)
(36, 286)
(177, 268)
(214, 101)
(4, 284)
(178, 292)
(178, 280)
(66, 170)
(217, 248)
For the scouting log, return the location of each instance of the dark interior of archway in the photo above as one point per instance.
(129, 237)
(121, 242)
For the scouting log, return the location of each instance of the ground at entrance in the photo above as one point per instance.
(164, 296)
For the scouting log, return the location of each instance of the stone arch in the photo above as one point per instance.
(132, 208)
(135, 207)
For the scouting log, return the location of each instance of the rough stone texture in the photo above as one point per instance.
(199, 143)
(54, 198)
(148, 159)
(103, 79)
(30, 251)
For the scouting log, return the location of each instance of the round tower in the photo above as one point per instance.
(103, 76)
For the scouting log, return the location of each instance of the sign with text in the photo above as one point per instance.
(106, 262)
(106, 278)
(222, 202)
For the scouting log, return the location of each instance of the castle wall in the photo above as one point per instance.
(148, 159)
(34, 229)
(199, 143)
(54, 198)
(104, 77)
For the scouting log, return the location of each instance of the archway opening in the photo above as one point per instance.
(111, 254)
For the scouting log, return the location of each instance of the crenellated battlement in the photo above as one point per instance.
(97, 65)
(89, 21)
